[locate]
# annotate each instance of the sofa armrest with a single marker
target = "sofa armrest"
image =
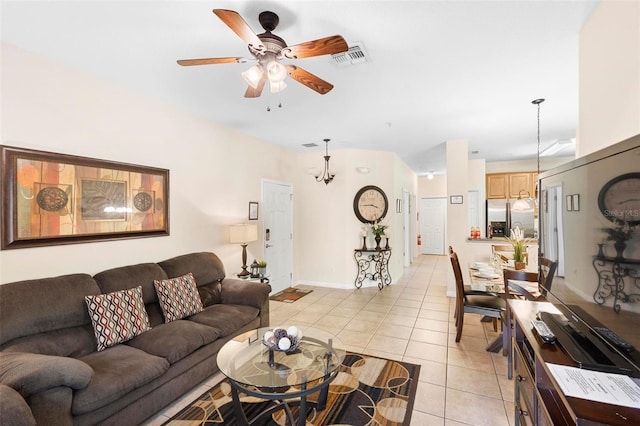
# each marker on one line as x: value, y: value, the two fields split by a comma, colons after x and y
x: 240, y: 292
x: 30, y: 373
x: 14, y: 410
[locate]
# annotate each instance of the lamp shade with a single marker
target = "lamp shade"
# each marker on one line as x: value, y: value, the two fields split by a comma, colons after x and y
x: 244, y: 233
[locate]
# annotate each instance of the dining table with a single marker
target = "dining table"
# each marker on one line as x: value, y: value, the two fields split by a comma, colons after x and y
x: 488, y: 277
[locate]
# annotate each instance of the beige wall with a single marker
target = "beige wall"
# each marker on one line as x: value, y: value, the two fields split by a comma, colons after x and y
x: 214, y: 173
x: 49, y: 107
x: 609, y: 83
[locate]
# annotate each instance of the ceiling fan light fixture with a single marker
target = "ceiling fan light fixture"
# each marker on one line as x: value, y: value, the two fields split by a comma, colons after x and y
x: 276, y: 72
x: 253, y: 75
x: 277, y: 87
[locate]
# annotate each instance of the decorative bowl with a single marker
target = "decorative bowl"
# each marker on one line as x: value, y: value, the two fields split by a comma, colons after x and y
x: 282, y: 339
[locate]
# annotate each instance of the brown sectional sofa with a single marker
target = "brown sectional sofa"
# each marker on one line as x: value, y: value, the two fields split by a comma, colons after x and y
x: 48, y: 349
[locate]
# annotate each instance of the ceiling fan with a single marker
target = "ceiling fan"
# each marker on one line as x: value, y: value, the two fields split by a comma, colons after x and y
x: 268, y: 49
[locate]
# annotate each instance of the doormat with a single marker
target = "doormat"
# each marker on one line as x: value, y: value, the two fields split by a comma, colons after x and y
x: 290, y: 295
x: 367, y: 391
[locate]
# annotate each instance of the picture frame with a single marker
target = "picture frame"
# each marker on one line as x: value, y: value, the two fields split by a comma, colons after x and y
x: 569, y: 202
x: 455, y: 199
x: 52, y: 199
x: 253, y: 210
x: 575, y: 202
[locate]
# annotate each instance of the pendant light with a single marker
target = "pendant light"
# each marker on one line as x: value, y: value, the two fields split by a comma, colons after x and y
x: 326, y: 176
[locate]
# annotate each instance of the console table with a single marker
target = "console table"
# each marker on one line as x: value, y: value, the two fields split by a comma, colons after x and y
x: 618, y: 278
x: 538, y: 398
x: 376, y: 258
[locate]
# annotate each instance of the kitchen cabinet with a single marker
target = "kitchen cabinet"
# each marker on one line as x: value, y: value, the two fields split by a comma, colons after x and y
x: 510, y: 185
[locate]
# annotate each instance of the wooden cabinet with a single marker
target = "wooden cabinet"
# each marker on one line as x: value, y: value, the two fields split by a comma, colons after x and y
x: 497, y: 185
x: 538, y: 398
x: 510, y: 185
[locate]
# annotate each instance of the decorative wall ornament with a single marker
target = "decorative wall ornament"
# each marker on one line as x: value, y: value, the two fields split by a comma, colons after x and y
x: 52, y: 199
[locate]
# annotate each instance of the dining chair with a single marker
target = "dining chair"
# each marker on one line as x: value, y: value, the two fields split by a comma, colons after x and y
x: 509, y: 291
x: 475, y: 302
x: 547, y: 271
x: 504, y: 249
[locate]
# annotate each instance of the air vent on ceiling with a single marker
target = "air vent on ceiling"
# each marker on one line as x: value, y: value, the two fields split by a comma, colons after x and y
x: 309, y: 145
x: 355, y: 55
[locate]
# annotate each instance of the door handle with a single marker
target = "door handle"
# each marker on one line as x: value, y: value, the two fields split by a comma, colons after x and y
x: 268, y: 245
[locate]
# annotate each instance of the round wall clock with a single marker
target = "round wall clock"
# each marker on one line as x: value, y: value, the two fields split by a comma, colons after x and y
x: 619, y: 199
x: 370, y: 204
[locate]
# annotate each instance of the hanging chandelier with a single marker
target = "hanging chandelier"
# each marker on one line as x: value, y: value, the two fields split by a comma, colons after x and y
x: 537, y: 103
x: 326, y: 176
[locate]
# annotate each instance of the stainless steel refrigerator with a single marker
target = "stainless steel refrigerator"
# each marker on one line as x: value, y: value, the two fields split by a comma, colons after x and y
x: 502, y: 216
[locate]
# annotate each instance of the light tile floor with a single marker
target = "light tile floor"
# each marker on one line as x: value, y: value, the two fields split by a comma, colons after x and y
x: 410, y: 320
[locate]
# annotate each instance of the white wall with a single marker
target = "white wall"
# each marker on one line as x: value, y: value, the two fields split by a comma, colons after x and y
x: 214, y: 173
x: 530, y: 165
x: 327, y: 230
x: 609, y: 84
x: 47, y: 106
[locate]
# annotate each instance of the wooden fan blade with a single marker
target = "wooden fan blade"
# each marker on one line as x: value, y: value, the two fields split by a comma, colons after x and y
x: 321, y: 46
x: 240, y: 27
x: 311, y: 81
x: 255, y: 93
x: 207, y: 61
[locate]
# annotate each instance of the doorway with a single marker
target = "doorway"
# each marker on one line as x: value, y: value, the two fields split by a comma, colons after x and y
x: 277, y: 202
x: 432, y: 225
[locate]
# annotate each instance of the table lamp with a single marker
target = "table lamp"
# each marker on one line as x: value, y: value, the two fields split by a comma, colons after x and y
x: 243, y: 234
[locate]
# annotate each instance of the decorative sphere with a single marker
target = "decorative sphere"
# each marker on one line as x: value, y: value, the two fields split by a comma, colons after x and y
x: 267, y: 335
x: 284, y: 344
x: 292, y: 331
x: 272, y: 341
x: 280, y: 332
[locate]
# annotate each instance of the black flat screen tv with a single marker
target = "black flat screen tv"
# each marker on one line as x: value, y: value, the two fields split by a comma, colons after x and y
x: 589, y: 221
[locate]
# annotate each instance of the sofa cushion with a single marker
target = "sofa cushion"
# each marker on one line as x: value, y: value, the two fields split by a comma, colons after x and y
x: 117, y: 317
x: 125, y: 277
x: 178, y: 297
x: 117, y: 371
x: 206, y: 267
x: 73, y: 342
x: 175, y: 340
x: 33, y: 373
x: 14, y: 410
x: 41, y: 305
x: 227, y: 319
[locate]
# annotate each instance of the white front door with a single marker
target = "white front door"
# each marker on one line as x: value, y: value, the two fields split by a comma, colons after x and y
x: 432, y: 225
x: 277, y: 233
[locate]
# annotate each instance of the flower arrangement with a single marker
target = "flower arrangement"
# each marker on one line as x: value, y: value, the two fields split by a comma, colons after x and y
x: 519, y: 244
x: 378, y: 229
x: 621, y: 231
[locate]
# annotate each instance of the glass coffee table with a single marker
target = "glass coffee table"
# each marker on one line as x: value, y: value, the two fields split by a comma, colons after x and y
x: 286, y: 378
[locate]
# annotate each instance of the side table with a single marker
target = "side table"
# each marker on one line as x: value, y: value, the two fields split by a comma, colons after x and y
x: 376, y: 258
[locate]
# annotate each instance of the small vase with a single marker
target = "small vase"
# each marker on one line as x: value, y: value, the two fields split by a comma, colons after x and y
x: 620, y: 246
x: 600, y: 251
x: 364, y: 243
x: 378, y: 238
x: 386, y: 247
x: 519, y: 265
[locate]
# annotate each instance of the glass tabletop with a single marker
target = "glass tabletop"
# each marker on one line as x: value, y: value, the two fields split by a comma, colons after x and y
x: 246, y: 360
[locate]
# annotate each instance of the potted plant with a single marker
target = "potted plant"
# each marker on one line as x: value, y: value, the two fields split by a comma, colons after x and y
x: 519, y: 244
x: 620, y: 234
x: 262, y: 266
x: 377, y: 229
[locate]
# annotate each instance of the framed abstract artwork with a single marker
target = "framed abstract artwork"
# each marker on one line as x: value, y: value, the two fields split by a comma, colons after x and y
x: 50, y: 199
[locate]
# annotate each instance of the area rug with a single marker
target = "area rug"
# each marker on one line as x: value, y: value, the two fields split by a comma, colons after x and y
x: 290, y: 295
x: 367, y: 391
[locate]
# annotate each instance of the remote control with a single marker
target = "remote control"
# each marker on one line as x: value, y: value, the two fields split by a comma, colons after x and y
x: 614, y: 339
x: 544, y: 332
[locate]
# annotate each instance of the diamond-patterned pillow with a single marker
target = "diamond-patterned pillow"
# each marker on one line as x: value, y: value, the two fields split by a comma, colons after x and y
x: 117, y: 317
x: 178, y: 297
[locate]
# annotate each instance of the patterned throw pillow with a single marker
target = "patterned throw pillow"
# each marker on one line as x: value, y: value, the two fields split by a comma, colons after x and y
x: 117, y: 317
x: 178, y: 297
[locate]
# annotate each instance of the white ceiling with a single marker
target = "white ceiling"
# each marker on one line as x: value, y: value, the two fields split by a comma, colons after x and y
x: 437, y: 70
